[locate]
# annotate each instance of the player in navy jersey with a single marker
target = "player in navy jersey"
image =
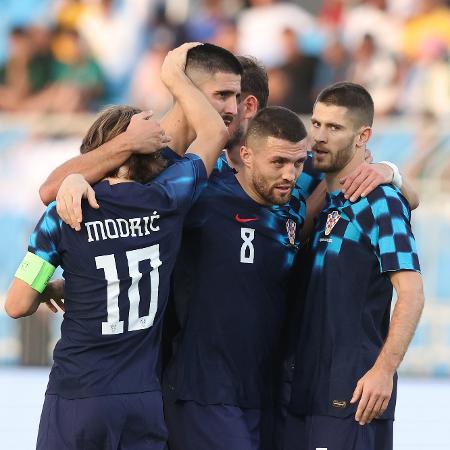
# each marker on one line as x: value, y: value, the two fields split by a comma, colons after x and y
x: 344, y: 386
x: 239, y: 243
x: 104, y: 388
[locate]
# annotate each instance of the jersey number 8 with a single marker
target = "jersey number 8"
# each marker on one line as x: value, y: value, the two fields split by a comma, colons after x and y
x: 108, y: 263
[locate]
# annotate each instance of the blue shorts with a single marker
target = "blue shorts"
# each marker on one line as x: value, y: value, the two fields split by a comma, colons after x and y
x: 332, y: 433
x: 110, y: 422
x: 213, y: 427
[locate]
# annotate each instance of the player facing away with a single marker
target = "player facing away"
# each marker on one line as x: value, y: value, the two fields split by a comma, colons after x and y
x: 238, y: 246
x: 104, y: 388
x: 348, y: 350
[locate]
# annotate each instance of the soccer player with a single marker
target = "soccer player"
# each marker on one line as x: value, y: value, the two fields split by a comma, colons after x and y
x: 344, y: 385
x: 104, y: 388
x: 239, y: 243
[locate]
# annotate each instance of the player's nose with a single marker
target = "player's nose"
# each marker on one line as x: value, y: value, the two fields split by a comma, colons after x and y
x: 231, y: 106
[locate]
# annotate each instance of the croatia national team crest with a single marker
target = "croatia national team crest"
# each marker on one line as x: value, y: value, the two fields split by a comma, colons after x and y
x: 291, y: 227
x: 332, y: 220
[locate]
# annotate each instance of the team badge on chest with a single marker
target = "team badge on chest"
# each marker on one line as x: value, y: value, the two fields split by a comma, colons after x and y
x: 291, y: 227
x: 332, y: 220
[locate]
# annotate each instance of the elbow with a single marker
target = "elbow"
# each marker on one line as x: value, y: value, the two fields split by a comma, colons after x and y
x: 13, y: 310
x: 415, y: 203
x: 46, y: 193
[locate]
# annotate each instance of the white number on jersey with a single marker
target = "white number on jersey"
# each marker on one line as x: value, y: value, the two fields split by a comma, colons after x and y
x: 247, y: 249
x: 108, y: 263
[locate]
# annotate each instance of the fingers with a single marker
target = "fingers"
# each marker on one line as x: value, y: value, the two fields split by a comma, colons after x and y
x: 143, y: 115
x: 165, y: 139
x: 369, y: 411
x: 362, y: 407
x: 60, y: 304
x: 92, y: 200
x: 50, y: 306
x: 357, y: 392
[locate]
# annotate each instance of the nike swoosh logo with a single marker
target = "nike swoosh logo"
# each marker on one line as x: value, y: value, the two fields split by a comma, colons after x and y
x: 242, y: 220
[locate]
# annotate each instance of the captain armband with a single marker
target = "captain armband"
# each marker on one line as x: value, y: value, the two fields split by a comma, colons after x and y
x: 35, y: 271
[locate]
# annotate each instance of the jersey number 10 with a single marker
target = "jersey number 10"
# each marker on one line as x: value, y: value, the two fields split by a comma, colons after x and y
x: 113, y: 324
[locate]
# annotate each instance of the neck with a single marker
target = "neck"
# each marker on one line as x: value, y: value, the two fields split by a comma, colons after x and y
x: 233, y: 157
x: 333, y: 178
x: 176, y: 125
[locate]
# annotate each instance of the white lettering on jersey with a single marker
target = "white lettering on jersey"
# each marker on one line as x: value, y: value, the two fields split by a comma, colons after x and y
x: 121, y: 228
x: 247, y: 249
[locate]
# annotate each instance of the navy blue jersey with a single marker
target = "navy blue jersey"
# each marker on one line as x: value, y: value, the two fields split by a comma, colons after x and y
x: 310, y: 177
x: 348, y: 301
x: 117, y: 271
x: 230, y: 286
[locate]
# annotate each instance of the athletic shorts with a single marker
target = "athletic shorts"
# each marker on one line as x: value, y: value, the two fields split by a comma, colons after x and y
x: 110, y: 422
x: 193, y: 426
x: 332, y: 433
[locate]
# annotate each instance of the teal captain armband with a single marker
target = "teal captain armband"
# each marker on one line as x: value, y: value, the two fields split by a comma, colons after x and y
x: 35, y: 271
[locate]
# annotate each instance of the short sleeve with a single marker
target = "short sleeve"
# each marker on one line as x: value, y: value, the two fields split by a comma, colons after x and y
x: 46, y: 236
x: 392, y: 237
x: 310, y: 178
x: 184, y: 180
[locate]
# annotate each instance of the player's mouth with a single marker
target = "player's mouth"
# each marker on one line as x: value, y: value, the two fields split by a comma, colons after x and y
x: 227, y: 120
x: 284, y: 189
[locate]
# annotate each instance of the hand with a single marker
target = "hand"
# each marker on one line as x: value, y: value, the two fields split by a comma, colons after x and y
x: 175, y: 63
x: 68, y: 200
x: 54, y: 291
x: 368, y: 156
x: 144, y: 134
x: 364, y: 179
x: 373, y: 391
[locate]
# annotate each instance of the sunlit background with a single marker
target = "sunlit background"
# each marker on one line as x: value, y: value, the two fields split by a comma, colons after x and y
x: 61, y: 61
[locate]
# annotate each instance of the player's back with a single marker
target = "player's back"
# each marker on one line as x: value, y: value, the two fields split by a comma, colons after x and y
x: 117, y: 271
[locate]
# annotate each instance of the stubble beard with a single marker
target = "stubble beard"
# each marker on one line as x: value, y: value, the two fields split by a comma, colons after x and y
x: 267, y: 193
x: 338, y: 161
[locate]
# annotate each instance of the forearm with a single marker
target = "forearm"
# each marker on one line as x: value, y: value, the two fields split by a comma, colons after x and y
x: 93, y: 165
x: 404, y: 322
x: 410, y: 193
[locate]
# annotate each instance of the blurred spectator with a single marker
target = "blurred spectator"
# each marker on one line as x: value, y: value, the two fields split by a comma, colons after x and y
x: 28, y: 69
x: 372, y: 17
x: 70, y: 12
x: 115, y: 33
x: 427, y: 89
x: 227, y: 36
x: 298, y: 73
x: 261, y: 26
x: 378, y: 72
x: 331, y: 14
x: 333, y: 65
x: 431, y: 22
x: 77, y: 78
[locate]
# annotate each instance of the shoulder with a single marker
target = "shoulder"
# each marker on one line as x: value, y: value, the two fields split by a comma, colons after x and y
x: 388, y: 200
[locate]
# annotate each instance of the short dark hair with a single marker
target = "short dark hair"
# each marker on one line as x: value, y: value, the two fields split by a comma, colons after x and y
x: 278, y: 122
x: 212, y: 59
x: 254, y: 80
x: 351, y: 96
x: 111, y: 122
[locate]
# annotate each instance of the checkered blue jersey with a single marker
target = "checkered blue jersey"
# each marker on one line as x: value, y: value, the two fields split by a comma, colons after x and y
x: 117, y: 273
x: 347, y: 307
x: 231, y: 279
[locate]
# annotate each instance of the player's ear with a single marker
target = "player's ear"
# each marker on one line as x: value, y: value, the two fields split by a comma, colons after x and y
x: 250, y: 106
x: 364, y: 136
x: 246, y: 155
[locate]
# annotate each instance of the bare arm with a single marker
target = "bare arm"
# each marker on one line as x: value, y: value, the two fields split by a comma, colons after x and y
x: 141, y: 136
x: 22, y: 300
x: 208, y: 125
x: 374, y: 389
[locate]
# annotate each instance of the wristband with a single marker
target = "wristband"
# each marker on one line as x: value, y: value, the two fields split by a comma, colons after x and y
x: 35, y: 271
x: 397, y: 180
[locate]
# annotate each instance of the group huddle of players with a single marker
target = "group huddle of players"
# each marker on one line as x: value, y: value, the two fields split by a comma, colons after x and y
x: 222, y: 300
